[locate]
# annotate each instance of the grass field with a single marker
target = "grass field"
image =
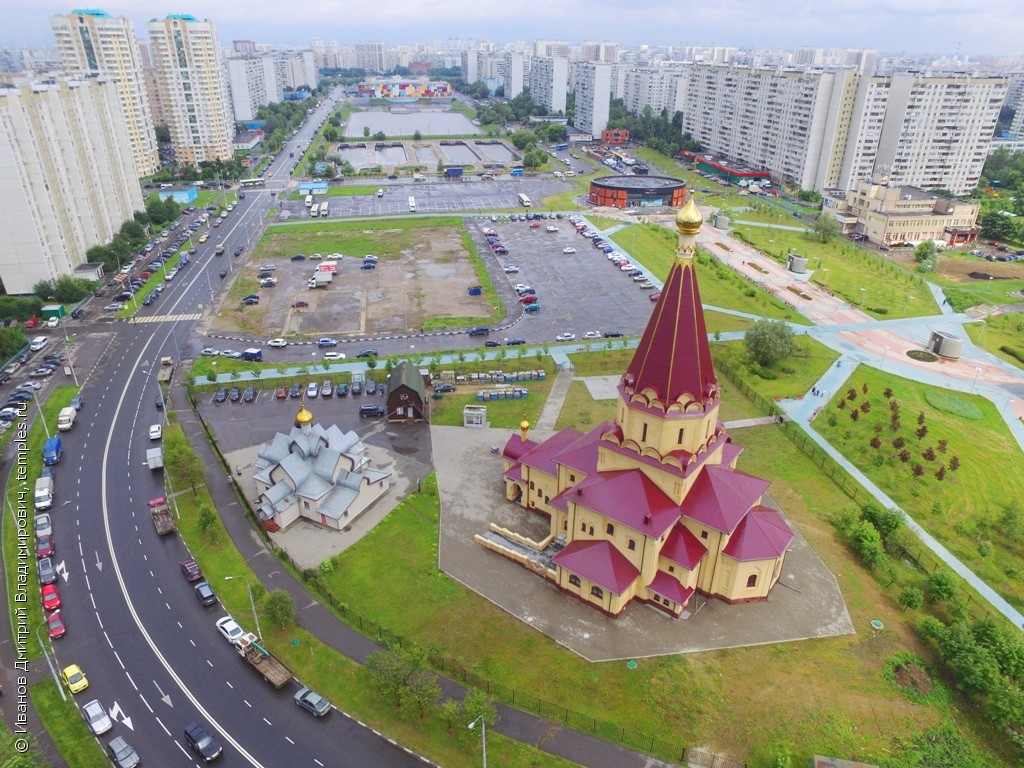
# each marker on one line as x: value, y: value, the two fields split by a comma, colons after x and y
x: 963, y: 510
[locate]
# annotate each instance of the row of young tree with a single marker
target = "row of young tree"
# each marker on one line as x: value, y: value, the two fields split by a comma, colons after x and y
x: 133, y: 235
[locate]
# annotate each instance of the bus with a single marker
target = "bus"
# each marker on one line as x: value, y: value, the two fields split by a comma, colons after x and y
x: 323, y: 210
x: 314, y: 210
x: 524, y: 200
x: 252, y: 183
x: 558, y: 147
x: 309, y: 201
x: 412, y: 204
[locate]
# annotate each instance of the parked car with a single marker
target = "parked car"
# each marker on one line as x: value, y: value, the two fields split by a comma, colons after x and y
x: 221, y: 395
x: 371, y: 411
x: 327, y: 342
x: 312, y: 702
x: 205, y: 595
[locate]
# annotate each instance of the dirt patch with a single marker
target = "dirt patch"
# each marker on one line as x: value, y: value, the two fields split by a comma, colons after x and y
x: 963, y: 270
x: 914, y: 678
x: 421, y: 273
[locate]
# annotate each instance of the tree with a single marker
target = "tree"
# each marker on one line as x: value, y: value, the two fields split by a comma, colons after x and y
x: 280, y: 608
x: 940, y: 587
x: 523, y: 139
x: 926, y: 255
x: 769, y: 341
x: 911, y: 597
x: 403, y: 675
x: 887, y: 521
x: 825, y: 227
x: 867, y: 543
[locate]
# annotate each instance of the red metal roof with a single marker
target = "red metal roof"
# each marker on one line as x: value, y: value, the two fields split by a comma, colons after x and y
x: 629, y: 497
x: 673, y: 358
x: 516, y: 447
x: 543, y: 456
x: 600, y: 563
x: 720, y: 497
x: 666, y: 585
x: 683, y: 547
x: 761, y: 535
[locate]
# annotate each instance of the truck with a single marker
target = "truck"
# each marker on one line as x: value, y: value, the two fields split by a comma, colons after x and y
x: 452, y: 173
x: 418, y: 177
x: 155, y: 458
x: 219, y: 250
x: 66, y: 419
x: 166, y: 370
x: 163, y: 520
x: 274, y: 671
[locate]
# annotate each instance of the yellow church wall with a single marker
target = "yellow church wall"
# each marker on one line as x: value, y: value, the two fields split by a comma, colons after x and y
x: 539, y: 489
x: 669, y: 432
x: 669, y: 479
x: 584, y: 589
x: 684, y: 576
x: 586, y: 524
x: 733, y: 579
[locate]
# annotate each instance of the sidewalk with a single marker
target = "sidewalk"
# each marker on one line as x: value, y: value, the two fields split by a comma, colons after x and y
x: 546, y: 735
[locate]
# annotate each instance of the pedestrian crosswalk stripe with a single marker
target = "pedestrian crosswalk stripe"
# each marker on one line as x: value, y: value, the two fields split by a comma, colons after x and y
x: 167, y: 318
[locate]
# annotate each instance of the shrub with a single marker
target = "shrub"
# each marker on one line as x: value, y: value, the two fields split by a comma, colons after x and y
x: 867, y: 543
x: 939, y: 587
x: 911, y: 597
x: 949, y: 403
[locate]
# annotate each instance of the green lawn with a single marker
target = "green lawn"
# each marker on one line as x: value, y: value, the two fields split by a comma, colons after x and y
x: 963, y: 510
x: 999, y: 334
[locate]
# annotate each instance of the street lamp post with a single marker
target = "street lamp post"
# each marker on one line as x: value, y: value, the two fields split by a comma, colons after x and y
x: 863, y: 297
x: 825, y: 284
x: 906, y: 303
x: 42, y: 418
x: 882, y: 361
x: 483, y: 734
x: 771, y: 248
x: 977, y: 370
x: 252, y: 602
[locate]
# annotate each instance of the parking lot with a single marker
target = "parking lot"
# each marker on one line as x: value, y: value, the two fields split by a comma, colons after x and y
x: 435, y: 197
x: 577, y: 292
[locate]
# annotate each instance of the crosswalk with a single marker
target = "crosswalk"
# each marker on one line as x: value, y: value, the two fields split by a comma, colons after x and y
x: 167, y: 318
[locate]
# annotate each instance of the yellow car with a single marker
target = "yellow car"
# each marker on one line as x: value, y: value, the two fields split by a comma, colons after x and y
x: 74, y: 677
x: 202, y: 238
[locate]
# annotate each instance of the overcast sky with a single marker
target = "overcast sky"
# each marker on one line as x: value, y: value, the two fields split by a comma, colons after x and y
x: 977, y: 27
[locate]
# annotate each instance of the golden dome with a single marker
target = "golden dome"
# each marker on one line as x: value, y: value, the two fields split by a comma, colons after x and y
x: 524, y: 424
x: 688, y: 219
x: 304, y: 416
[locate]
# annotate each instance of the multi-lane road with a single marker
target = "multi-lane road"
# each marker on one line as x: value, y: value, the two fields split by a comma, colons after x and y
x: 150, y: 650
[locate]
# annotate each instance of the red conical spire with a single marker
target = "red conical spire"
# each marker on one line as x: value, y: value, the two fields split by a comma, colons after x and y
x: 672, y: 368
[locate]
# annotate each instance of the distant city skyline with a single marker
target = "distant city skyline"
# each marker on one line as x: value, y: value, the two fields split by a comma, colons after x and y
x: 913, y: 27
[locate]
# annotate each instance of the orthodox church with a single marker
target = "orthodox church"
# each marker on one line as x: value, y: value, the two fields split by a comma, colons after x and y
x: 650, y: 507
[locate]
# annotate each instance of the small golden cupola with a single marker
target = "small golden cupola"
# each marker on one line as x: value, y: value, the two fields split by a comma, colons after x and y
x: 304, y: 417
x: 689, y: 218
x: 524, y: 429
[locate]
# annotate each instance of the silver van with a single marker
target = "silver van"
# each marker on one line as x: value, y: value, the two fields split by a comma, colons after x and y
x: 44, y: 493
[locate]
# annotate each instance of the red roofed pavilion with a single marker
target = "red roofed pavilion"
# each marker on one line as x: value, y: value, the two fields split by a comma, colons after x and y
x: 651, y: 507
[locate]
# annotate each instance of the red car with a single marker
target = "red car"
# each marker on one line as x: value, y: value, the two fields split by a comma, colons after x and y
x: 44, y: 546
x: 55, y: 625
x: 32, y: 322
x: 282, y: 393
x: 50, y: 597
x: 654, y: 296
x: 529, y: 299
x: 145, y: 275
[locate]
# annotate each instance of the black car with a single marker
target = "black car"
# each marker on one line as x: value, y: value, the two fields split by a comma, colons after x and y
x: 78, y: 314
x: 4, y: 377
x: 368, y: 353
x: 514, y: 342
x: 357, y: 388
x: 204, y: 592
x: 492, y: 343
x: 613, y: 334
x: 77, y: 402
x: 190, y: 569
x: 295, y: 391
x: 159, y: 402
x: 298, y: 257
x: 250, y: 301
x: 371, y: 411
x: 342, y: 390
x: 200, y: 740
x: 446, y: 386
x: 371, y: 387
x: 235, y: 394
x: 249, y: 395
x: 221, y: 396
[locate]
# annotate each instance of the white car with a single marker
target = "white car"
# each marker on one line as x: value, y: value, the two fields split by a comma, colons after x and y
x: 277, y: 343
x: 53, y: 322
x: 627, y: 267
x: 521, y: 287
x: 156, y: 432
x: 210, y: 352
x: 229, y: 628
x: 97, y: 718
x: 568, y: 249
x: 233, y: 354
x: 313, y: 389
x: 511, y: 269
x: 565, y: 337
x: 592, y: 335
x: 268, y: 268
x: 334, y: 355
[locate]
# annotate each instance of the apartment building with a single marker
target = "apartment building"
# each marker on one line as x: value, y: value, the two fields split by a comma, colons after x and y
x: 593, y: 97
x: 251, y: 84
x: 641, y: 87
x: 923, y: 131
x: 829, y: 129
x: 95, y: 43
x: 470, y: 69
x: 513, y: 72
x: 68, y: 179
x: 371, y: 57
x: 193, y: 87
x: 549, y: 82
